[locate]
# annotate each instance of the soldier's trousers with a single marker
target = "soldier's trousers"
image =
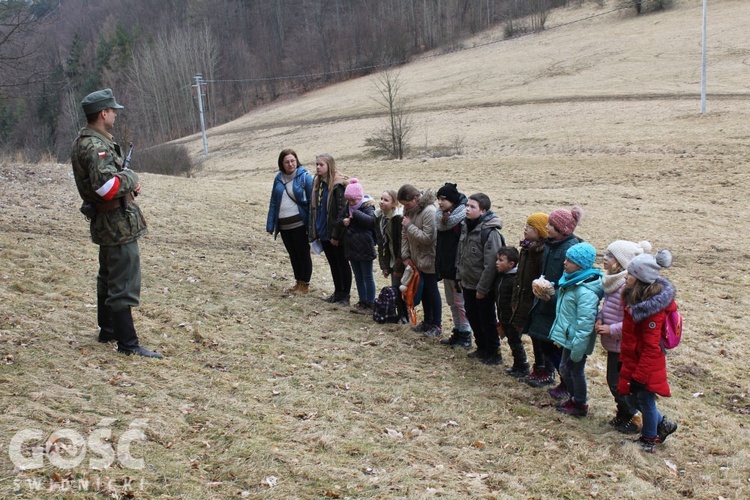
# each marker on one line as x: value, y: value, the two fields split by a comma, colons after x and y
x: 119, y: 277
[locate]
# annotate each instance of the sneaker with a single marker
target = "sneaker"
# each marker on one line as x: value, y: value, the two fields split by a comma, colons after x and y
x: 543, y: 379
x: 464, y: 341
x: 332, y: 299
x: 665, y: 428
x: 559, y: 392
x: 630, y: 426
x: 421, y: 327
x: 403, y: 320
x: 494, y: 359
x: 574, y: 409
x: 648, y: 445
x: 434, y: 332
x: 362, y: 308
x: 343, y: 301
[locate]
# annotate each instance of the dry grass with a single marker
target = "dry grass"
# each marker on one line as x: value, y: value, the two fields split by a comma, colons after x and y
x: 258, y: 385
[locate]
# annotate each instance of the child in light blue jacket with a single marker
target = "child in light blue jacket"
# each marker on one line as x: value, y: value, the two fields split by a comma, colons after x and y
x: 578, y: 296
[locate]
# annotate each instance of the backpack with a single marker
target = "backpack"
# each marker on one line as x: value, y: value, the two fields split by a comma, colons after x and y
x: 486, y: 235
x: 671, y: 332
x: 384, y: 309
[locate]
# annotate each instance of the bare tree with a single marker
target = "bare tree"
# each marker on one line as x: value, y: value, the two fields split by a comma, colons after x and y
x: 17, y: 20
x: 393, y: 138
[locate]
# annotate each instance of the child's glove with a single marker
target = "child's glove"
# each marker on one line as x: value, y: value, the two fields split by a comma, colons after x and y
x: 636, y: 386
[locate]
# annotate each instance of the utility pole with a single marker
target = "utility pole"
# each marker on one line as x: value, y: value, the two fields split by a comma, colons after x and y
x: 199, y: 91
x: 703, y: 61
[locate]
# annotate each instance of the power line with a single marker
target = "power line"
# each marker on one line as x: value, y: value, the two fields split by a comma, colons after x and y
x: 414, y: 59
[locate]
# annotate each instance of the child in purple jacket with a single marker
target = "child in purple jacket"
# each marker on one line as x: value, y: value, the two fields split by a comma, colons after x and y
x: 609, y: 327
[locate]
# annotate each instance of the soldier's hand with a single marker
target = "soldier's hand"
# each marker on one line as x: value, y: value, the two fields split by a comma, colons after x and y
x: 137, y: 190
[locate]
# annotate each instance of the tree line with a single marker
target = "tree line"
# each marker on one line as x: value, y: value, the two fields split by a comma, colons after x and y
x: 54, y: 52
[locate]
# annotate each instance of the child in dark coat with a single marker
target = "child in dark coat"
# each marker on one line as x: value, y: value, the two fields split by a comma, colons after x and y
x: 358, y: 219
x: 507, y: 266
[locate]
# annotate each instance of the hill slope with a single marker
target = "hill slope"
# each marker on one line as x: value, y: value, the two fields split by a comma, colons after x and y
x: 268, y: 396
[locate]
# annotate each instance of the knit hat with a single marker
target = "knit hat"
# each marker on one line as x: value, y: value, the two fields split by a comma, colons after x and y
x: 449, y: 192
x: 582, y: 254
x: 624, y: 251
x: 353, y: 190
x: 646, y: 267
x: 539, y: 222
x: 565, y: 221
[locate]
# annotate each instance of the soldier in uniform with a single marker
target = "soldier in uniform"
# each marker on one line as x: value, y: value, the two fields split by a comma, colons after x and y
x: 107, y: 188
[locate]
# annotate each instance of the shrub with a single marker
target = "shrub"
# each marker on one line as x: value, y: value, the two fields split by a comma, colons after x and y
x: 165, y: 159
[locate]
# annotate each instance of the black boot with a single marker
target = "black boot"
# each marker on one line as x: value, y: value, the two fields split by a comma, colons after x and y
x: 127, y: 340
x: 452, y: 340
x: 520, y: 366
x: 104, y: 319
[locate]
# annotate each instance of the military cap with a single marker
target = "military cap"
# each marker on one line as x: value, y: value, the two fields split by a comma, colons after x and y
x: 98, y: 101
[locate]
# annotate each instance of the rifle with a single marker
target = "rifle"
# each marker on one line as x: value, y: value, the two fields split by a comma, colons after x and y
x: 126, y: 165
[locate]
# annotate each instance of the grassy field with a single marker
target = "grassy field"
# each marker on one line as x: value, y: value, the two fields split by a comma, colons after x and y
x: 263, y: 395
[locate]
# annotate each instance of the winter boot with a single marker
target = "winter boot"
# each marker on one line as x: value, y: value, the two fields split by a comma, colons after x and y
x: 570, y: 407
x: 665, y: 428
x: 520, y: 366
x: 104, y: 319
x: 559, y: 392
x: 452, y: 340
x: 464, y: 341
x: 518, y: 371
x: 127, y: 340
x: 495, y: 358
x: 630, y: 425
x: 294, y: 288
x: 302, y: 288
x: 535, y: 373
x: 547, y: 377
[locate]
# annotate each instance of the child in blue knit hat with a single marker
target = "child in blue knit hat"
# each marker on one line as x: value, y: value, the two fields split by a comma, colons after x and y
x: 578, y: 295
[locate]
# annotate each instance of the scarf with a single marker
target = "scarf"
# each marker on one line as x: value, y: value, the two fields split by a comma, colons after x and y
x: 354, y: 208
x: 449, y: 220
x: 570, y: 279
x: 611, y: 282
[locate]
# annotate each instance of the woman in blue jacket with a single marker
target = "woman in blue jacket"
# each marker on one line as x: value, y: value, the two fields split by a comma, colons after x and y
x: 289, y: 214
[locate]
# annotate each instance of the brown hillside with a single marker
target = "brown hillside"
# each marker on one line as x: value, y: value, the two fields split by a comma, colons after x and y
x: 262, y: 395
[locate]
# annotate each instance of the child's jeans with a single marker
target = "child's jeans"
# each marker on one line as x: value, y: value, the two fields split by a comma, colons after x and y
x: 574, y: 375
x: 455, y: 301
x: 651, y: 416
x: 364, y: 279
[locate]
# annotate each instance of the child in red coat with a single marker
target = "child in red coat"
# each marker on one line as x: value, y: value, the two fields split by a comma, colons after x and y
x: 648, y: 298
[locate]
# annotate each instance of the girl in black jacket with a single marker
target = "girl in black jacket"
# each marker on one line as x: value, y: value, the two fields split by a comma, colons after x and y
x: 358, y: 220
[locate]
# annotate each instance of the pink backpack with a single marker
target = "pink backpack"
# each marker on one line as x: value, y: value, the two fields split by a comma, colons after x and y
x: 671, y: 332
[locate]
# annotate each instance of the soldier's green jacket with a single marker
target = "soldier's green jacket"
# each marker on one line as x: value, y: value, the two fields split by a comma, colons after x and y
x: 100, y: 178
